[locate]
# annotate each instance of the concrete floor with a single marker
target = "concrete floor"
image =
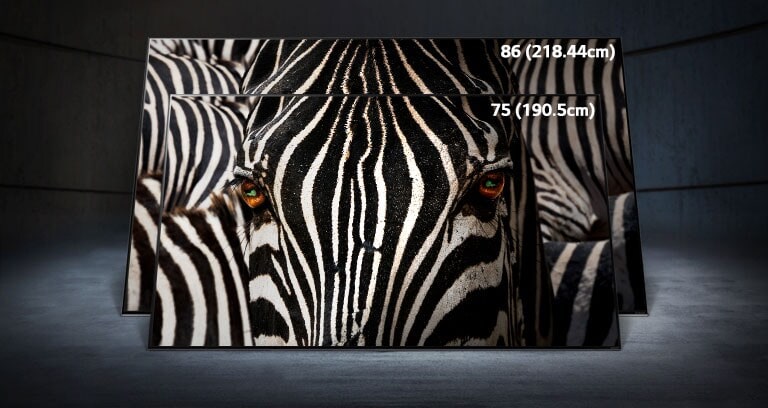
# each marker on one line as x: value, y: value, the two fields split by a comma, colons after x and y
x: 64, y: 342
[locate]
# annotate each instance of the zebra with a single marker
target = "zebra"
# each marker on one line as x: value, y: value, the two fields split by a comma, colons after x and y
x: 176, y: 67
x: 183, y: 66
x: 627, y: 255
x: 192, y: 176
x: 583, y: 316
x: 569, y: 170
x: 569, y: 175
x: 573, y: 210
x: 585, y: 76
x: 200, y: 257
x: 380, y: 67
x: 376, y: 66
x: 342, y: 252
x: 233, y: 52
x: 606, y: 78
x: 305, y: 66
x: 209, y: 128
x: 144, y: 232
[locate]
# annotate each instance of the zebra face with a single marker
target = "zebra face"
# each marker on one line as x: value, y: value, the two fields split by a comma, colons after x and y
x: 379, y: 221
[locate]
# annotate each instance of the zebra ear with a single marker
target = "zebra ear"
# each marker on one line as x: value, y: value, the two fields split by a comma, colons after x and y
x: 251, y: 195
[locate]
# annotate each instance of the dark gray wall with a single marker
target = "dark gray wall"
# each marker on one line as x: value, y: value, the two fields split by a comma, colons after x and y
x: 71, y: 77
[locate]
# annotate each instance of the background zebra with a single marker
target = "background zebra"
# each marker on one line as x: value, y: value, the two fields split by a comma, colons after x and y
x: 583, y: 317
x: 185, y: 67
x: 630, y: 285
x: 202, y: 276
x: 176, y: 66
x: 344, y: 253
x: 567, y: 154
x: 597, y: 76
x: 202, y: 137
x: 237, y: 54
x: 569, y: 174
x: 605, y: 78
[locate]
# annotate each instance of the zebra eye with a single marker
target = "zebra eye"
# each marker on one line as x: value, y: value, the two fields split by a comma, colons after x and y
x: 251, y: 195
x: 491, y: 184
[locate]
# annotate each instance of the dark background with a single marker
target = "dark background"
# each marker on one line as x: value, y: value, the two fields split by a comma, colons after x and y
x: 71, y: 81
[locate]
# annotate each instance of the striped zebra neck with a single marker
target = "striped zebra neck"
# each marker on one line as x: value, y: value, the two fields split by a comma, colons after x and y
x: 202, y: 276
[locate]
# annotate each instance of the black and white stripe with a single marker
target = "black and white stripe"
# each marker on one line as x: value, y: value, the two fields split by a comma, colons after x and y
x: 168, y: 74
x: 627, y: 256
x: 567, y: 155
x: 235, y: 52
x: 202, y: 136
x: 582, y: 275
x: 355, y: 251
x: 569, y: 173
x: 140, y: 278
x: 585, y: 76
x: 202, y: 277
x: 574, y: 215
x: 198, y: 163
x: 365, y: 75
x: 353, y: 66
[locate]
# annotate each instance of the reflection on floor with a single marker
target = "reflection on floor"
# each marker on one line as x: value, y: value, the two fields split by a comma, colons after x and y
x: 64, y: 342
